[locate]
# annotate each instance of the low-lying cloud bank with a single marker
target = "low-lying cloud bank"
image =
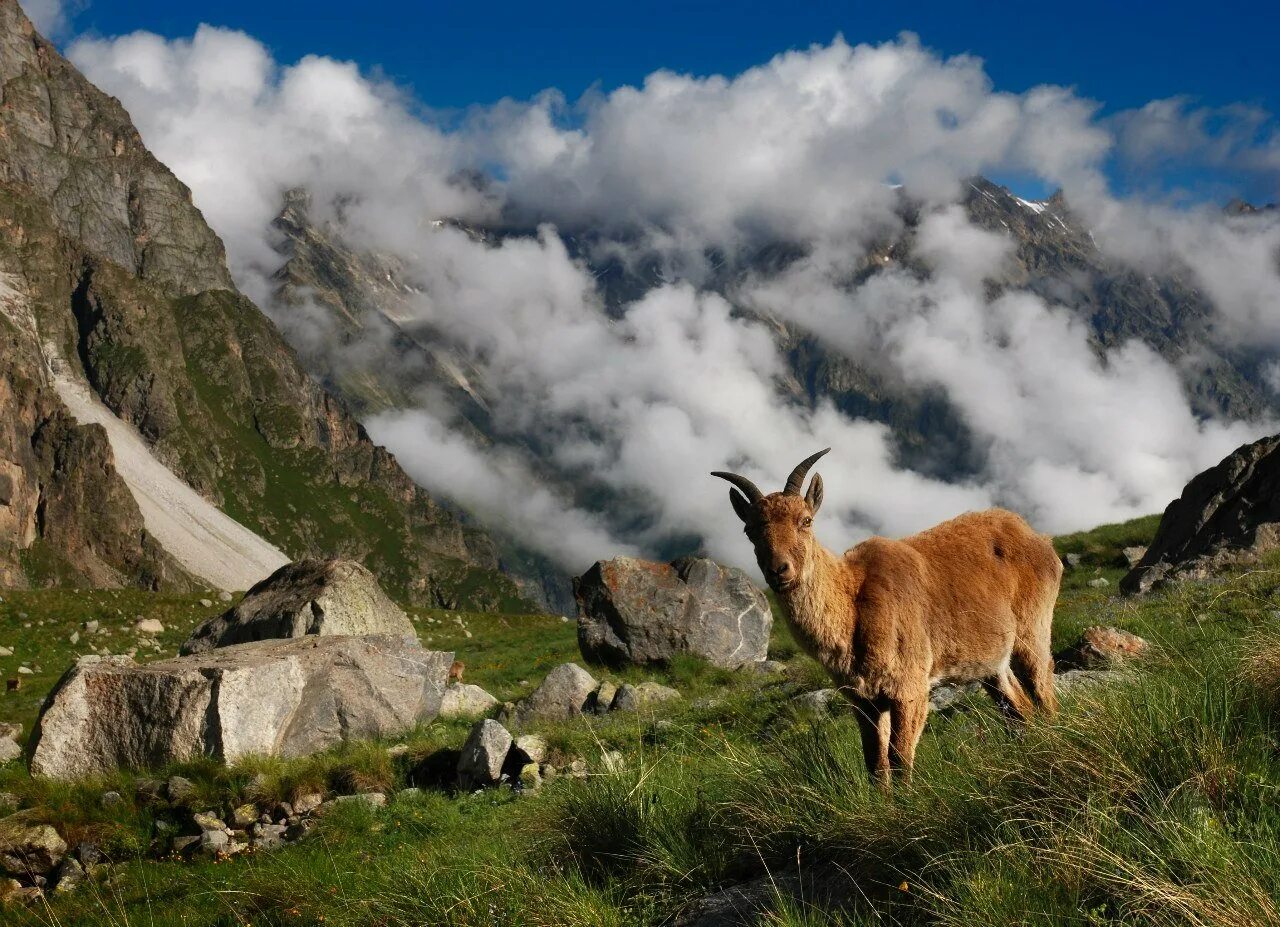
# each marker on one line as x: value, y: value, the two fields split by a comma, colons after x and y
x: 808, y: 148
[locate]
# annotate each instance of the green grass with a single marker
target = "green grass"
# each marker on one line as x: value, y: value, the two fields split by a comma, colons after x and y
x: 1151, y: 801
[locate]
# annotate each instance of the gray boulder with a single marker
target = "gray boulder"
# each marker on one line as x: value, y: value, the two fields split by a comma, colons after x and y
x: 279, y: 698
x: 1226, y: 516
x: 646, y: 695
x: 636, y: 611
x: 462, y: 700
x: 483, y: 754
x: 566, y: 692
x: 306, y: 597
x: 29, y: 849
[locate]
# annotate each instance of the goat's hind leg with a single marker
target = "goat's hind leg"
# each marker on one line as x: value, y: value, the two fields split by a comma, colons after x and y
x: 1034, y: 669
x: 873, y: 724
x: 908, y: 716
x: 1007, y: 692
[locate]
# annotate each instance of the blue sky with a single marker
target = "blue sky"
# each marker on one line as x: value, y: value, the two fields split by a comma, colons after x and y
x: 456, y: 53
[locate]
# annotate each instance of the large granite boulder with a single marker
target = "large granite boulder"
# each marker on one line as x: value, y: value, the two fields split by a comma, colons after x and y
x: 565, y: 692
x: 301, y: 598
x: 636, y: 611
x: 283, y: 697
x: 1227, y: 515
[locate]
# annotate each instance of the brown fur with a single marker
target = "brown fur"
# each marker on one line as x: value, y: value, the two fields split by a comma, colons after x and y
x: 456, y: 670
x: 969, y: 599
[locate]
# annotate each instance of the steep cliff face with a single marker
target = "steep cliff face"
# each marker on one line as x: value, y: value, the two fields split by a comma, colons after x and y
x: 110, y: 270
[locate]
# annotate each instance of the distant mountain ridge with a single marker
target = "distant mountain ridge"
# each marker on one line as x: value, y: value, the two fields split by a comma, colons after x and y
x: 108, y: 268
x: 1054, y: 256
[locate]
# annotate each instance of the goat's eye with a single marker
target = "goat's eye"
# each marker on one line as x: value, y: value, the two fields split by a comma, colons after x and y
x: 806, y: 522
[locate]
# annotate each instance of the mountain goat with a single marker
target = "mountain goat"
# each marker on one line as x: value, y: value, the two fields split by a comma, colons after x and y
x: 969, y: 599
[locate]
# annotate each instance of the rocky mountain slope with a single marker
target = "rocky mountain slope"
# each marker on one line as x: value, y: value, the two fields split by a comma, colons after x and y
x: 109, y: 269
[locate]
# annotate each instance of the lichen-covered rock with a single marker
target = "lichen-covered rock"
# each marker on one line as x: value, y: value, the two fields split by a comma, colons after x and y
x: 463, y: 700
x: 301, y: 598
x: 1227, y: 515
x: 636, y: 611
x: 27, y: 848
x: 642, y: 696
x: 280, y: 697
x: 566, y: 692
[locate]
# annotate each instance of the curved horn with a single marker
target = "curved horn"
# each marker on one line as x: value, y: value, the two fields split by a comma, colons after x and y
x: 748, y: 488
x: 795, y: 482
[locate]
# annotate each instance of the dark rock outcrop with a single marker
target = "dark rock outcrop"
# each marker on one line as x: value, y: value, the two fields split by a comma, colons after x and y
x: 1226, y: 515
x: 319, y: 597
x: 635, y: 611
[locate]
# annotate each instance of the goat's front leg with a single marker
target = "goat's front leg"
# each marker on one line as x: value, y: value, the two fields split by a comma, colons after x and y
x: 873, y: 724
x: 907, y: 717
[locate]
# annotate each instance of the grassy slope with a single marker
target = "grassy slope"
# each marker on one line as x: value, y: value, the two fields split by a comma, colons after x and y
x: 1149, y: 802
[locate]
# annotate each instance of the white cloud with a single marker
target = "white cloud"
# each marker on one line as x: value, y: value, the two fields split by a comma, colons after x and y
x: 50, y: 17
x: 644, y: 402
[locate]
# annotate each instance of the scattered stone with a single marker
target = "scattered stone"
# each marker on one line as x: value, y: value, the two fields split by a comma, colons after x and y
x: 110, y: 799
x: 636, y: 611
x: 70, y: 875
x: 205, y: 603
x: 149, y: 626
x: 946, y: 696
x: 463, y: 700
x: 207, y: 820
x: 547, y: 771
x: 215, y: 843
x: 368, y: 799
x: 815, y: 703
x: 9, y: 750
x: 533, y: 749
x: 307, y: 597
x: 483, y: 755
x: 1133, y: 556
x: 642, y: 696
x: 278, y: 697
x: 244, y: 816
x: 602, y: 699
x: 1072, y: 561
x: 564, y: 693
x: 6, y: 651
x: 305, y: 804
x: 1098, y: 582
x: 74, y: 638
x: 613, y: 761
x: 8, y: 889
x: 1102, y: 648
x: 530, y: 777
x: 183, y: 844
x: 224, y: 596
x: 179, y: 789
x: 577, y: 768
x: 268, y: 836
x: 28, y: 849
x: 1085, y: 679
x: 765, y: 668
x: 299, y: 829
x: 25, y: 670
x: 91, y: 626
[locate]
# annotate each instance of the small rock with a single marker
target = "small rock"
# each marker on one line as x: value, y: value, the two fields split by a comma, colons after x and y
x: 533, y: 749
x: 764, y: 668
x: 205, y: 603
x: 299, y: 829
x: 281, y: 811
x: 1072, y: 561
x: 267, y: 836
x: 483, y: 754
x: 74, y: 638
x: 577, y: 768
x: 1098, y: 582
x: 244, y: 816
x: 91, y: 626
x: 10, y: 729
x: 111, y: 798
x: 25, y: 670
x: 1102, y: 647
x: 30, y: 848
x: 179, y: 789
x: 224, y: 596
x: 602, y: 700
x: 207, y: 820
x: 370, y: 799
x: 398, y: 750
x: 184, y: 844
x: 565, y: 693
x: 1133, y: 555
x: 9, y: 750
x: 215, y: 842
x: 149, y: 791
x: 815, y: 703
x: 6, y: 651
x: 305, y: 804
x: 70, y: 875
x: 463, y: 700
x: 148, y: 626
x: 1085, y: 679
x: 8, y: 888
x: 644, y: 695
x: 613, y: 760
x: 944, y: 697
x: 548, y: 772
x: 530, y: 777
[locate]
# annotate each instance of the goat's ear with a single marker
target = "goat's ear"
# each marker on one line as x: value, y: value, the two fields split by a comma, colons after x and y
x: 740, y: 504
x: 814, y: 495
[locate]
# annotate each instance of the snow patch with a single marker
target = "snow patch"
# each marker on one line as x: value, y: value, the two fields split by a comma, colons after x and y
x: 209, y: 543
x: 1036, y: 208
